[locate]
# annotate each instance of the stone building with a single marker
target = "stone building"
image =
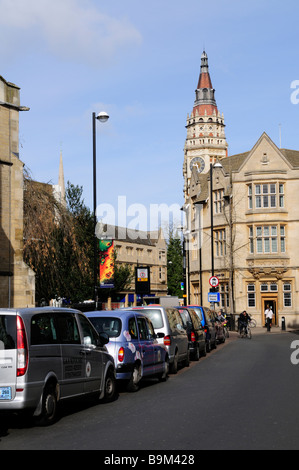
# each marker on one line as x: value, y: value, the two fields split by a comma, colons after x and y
x: 206, y: 141
x: 17, y: 280
x: 244, y: 230
x: 139, y: 248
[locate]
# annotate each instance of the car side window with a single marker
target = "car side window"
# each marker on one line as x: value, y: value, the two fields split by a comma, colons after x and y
x: 89, y: 334
x: 133, y: 328
x: 143, y: 335
x: 178, y: 319
x: 212, y: 316
x: 195, y: 320
x: 173, y: 318
x: 43, y: 329
x: 8, y: 332
x: 151, y: 331
x: 199, y: 314
x: 185, y: 317
x: 67, y: 328
x: 208, y: 315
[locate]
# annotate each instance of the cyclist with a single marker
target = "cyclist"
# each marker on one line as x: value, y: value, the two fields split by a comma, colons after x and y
x: 219, y: 323
x: 243, y: 321
x: 220, y: 317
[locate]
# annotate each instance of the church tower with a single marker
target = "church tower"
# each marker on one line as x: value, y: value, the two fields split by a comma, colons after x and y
x: 59, y: 189
x: 205, y: 140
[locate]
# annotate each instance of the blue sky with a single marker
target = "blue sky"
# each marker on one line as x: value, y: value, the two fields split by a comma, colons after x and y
x: 140, y: 62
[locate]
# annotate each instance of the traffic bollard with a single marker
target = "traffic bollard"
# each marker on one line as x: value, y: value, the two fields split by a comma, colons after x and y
x: 283, y: 323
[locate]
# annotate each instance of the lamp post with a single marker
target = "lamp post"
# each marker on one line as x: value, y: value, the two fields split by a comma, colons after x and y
x: 197, y: 212
x: 102, y: 117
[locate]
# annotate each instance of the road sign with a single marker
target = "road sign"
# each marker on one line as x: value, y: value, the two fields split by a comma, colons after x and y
x: 142, y: 280
x: 214, y: 297
x: 214, y: 281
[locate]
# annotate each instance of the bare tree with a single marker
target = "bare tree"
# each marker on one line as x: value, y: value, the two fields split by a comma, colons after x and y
x: 52, y: 247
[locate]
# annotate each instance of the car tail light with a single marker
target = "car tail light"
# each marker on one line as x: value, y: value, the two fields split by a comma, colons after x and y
x: 121, y: 354
x: 167, y: 340
x: 22, y: 349
x: 192, y: 336
x: 205, y: 330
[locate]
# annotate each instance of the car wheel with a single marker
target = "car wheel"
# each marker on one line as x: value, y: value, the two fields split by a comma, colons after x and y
x: 110, y: 386
x: 164, y: 376
x: 196, y: 354
x: 187, y: 360
x: 204, y: 351
x: 174, y: 365
x: 133, y: 385
x: 208, y: 346
x: 49, y: 405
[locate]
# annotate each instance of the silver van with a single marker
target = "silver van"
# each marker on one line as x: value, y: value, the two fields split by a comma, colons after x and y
x: 48, y: 355
x: 168, y: 326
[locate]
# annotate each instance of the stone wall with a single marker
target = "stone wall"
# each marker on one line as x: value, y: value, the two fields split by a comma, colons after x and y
x: 17, y: 283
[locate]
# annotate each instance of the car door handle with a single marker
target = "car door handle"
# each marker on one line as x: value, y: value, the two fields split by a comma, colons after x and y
x: 85, y: 352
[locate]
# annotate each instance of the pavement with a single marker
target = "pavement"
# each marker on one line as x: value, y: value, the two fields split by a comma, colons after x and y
x: 274, y: 330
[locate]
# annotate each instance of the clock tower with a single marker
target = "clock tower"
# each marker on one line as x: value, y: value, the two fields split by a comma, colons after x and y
x: 205, y: 140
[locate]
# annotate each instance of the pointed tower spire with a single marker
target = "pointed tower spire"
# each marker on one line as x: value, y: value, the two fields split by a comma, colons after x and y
x: 61, y: 179
x: 59, y: 189
x: 205, y: 93
x: 206, y: 141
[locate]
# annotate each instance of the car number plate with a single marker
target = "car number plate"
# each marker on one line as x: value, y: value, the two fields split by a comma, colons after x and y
x: 5, y: 393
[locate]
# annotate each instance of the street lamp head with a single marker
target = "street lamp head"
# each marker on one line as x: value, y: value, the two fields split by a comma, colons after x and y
x: 217, y: 165
x: 102, y: 116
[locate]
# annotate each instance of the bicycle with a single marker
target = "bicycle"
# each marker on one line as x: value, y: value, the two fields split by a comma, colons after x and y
x: 253, y: 323
x: 245, y: 331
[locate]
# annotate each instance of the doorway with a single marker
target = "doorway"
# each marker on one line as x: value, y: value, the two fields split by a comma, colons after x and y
x: 272, y: 303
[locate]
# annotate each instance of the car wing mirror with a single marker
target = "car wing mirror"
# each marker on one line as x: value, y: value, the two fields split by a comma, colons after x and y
x: 103, y: 339
x: 160, y: 335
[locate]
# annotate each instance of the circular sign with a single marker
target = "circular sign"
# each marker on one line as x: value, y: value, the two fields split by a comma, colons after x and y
x: 88, y: 369
x: 214, y: 281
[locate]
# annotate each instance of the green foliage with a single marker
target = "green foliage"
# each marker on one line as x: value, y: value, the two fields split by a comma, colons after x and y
x: 58, y: 244
x: 174, y: 264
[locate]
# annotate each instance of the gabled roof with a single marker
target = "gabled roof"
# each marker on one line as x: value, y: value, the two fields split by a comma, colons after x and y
x: 199, y: 184
x: 130, y: 235
x: 235, y: 162
x: 292, y: 156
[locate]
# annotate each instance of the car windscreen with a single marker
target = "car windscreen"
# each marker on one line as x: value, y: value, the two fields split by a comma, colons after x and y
x: 8, y: 332
x: 109, y: 325
x: 155, y: 316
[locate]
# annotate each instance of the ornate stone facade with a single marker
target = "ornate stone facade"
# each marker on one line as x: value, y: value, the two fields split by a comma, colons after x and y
x: 250, y: 234
x: 206, y: 141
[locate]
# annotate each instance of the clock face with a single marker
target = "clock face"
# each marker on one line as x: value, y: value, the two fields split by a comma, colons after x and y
x: 199, y: 163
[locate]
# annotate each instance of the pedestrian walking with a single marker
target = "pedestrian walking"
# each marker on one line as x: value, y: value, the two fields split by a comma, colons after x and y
x: 268, y: 317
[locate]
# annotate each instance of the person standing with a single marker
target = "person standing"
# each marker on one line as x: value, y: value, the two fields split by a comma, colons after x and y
x: 268, y: 317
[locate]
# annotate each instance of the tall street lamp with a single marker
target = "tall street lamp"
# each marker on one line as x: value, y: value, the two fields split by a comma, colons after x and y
x: 102, y: 117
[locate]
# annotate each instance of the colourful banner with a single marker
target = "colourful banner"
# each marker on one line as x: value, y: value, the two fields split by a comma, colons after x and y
x: 106, y: 248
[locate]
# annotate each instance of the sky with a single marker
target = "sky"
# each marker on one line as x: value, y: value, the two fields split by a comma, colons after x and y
x: 140, y: 63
